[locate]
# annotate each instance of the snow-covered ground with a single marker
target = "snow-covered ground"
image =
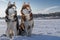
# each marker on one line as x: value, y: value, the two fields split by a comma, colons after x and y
x: 43, y: 30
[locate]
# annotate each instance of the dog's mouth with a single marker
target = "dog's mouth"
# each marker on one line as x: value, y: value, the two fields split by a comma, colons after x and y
x: 26, y: 11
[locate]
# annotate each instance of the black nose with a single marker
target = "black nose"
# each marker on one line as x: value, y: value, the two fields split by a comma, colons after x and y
x: 29, y: 11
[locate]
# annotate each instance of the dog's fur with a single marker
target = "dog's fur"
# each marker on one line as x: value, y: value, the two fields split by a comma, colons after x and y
x: 11, y: 20
x: 27, y: 22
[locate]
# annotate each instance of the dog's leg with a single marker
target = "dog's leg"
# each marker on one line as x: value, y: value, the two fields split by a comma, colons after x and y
x: 11, y: 33
x: 26, y: 27
x: 14, y: 28
x: 30, y: 30
x: 11, y: 30
x: 8, y: 29
x: 31, y: 24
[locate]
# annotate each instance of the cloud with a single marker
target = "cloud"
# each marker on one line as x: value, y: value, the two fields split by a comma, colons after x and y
x: 48, y: 9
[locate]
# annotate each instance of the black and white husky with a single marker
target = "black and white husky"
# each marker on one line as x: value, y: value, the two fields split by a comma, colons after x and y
x: 11, y: 20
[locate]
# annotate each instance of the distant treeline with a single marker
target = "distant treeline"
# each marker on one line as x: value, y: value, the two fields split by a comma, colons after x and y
x: 56, y: 14
x: 44, y: 15
x: 47, y: 15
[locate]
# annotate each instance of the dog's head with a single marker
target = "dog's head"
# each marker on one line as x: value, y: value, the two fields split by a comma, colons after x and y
x: 11, y: 10
x: 10, y: 5
x: 26, y: 11
x: 26, y: 8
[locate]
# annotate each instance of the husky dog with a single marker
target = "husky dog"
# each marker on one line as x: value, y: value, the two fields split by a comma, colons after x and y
x: 11, y: 20
x: 27, y: 22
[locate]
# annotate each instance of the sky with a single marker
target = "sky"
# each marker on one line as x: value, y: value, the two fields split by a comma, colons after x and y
x: 37, y: 6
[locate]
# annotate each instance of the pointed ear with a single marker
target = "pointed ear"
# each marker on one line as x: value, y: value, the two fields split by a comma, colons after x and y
x: 28, y: 2
x: 9, y: 3
x: 24, y: 3
x: 14, y: 3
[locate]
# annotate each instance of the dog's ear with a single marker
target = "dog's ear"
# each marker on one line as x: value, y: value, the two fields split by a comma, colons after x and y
x: 28, y: 3
x: 9, y: 3
x: 14, y: 3
x: 24, y: 3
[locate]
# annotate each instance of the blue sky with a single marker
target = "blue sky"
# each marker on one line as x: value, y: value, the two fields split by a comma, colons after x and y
x: 37, y: 6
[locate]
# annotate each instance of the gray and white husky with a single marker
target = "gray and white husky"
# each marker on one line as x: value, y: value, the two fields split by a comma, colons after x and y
x: 11, y: 20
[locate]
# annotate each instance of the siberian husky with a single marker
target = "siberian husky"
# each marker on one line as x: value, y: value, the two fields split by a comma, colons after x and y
x: 11, y: 20
x: 27, y: 22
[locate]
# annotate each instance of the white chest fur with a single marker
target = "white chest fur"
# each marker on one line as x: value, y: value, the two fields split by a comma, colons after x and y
x: 27, y: 14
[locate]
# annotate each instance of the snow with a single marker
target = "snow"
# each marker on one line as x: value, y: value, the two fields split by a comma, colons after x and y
x: 43, y: 30
x: 4, y: 38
